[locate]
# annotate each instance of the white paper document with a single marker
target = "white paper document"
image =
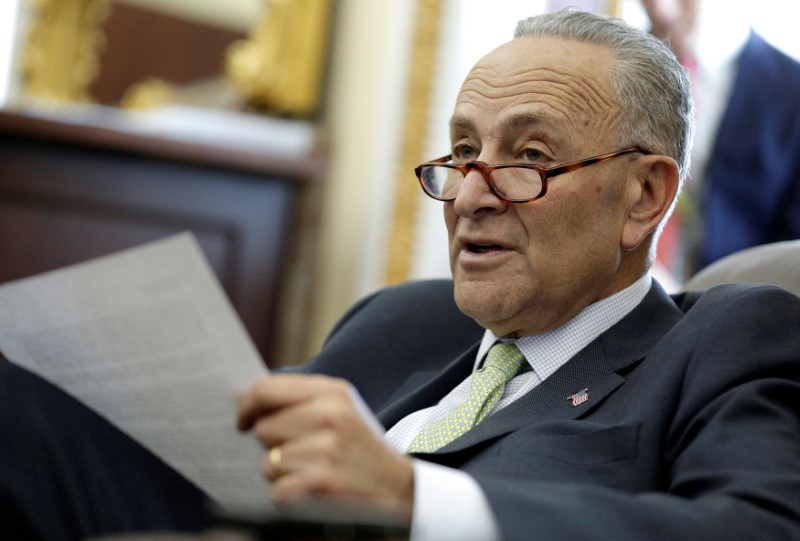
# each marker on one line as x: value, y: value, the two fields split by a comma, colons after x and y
x: 147, y: 338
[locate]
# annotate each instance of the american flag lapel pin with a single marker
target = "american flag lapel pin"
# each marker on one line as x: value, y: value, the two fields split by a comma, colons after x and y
x: 579, y: 398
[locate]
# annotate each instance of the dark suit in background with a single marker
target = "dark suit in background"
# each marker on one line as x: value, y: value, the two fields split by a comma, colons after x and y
x: 752, y: 180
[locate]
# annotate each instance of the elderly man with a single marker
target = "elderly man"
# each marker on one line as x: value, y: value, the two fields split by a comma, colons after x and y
x: 629, y: 418
x: 563, y: 394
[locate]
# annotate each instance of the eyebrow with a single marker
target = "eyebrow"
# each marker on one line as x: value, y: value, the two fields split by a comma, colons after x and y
x: 512, y: 124
x: 460, y: 122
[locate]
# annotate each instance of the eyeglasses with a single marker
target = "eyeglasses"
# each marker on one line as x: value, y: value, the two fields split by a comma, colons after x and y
x: 513, y: 182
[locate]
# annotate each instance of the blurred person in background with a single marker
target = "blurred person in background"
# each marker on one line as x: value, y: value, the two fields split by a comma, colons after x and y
x: 744, y: 186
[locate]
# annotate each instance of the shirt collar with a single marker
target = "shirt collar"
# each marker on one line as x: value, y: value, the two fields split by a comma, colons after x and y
x: 548, y: 351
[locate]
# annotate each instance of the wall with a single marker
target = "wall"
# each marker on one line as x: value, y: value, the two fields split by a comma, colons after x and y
x: 363, y: 110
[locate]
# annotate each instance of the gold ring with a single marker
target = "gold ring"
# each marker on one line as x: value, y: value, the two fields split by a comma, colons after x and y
x: 275, y: 461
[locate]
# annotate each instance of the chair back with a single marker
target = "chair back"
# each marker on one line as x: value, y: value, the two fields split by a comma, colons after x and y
x: 777, y: 263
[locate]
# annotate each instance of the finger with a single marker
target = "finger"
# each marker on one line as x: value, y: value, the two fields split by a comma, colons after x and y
x: 305, y: 483
x: 282, y: 390
x: 322, y: 479
x: 331, y: 412
x: 273, y: 463
x: 330, y: 462
x: 317, y: 450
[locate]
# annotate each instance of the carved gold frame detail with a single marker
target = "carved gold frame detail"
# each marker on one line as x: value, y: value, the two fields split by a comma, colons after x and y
x: 280, y: 67
x: 416, y: 119
x: 61, y: 56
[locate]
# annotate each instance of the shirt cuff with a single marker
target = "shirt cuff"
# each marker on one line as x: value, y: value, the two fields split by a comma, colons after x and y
x: 449, y: 505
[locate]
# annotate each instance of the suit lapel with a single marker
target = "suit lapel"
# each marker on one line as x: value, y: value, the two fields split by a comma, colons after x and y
x: 436, y: 386
x: 550, y: 400
x: 596, y: 368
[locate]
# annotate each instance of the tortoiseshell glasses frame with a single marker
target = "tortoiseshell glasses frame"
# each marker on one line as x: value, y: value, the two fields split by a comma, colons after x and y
x: 442, y: 180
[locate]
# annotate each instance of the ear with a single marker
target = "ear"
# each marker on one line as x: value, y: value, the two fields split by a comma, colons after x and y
x: 652, y: 187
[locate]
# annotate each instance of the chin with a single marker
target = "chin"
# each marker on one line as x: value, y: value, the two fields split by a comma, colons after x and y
x: 484, y: 302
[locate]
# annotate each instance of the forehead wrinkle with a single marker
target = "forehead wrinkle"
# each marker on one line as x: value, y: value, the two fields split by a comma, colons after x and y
x: 522, y: 121
x: 575, y: 91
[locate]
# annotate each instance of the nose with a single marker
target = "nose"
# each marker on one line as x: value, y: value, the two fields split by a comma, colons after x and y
x: 475, y: 196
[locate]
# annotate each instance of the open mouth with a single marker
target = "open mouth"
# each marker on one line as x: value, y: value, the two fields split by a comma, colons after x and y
x: 482, y: 248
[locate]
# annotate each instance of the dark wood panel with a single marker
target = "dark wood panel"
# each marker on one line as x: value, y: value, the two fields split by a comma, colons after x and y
x: 62, y: 203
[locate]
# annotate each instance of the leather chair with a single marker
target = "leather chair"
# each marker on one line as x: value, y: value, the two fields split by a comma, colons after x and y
x: 776, y: 263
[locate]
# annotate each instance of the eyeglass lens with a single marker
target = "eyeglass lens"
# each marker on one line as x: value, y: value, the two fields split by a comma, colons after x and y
x: 511, y: 182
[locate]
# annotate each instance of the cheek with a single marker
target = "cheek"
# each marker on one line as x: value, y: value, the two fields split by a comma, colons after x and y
x: 576, y: 227
x: 589, y: 210
x: 450, y: 218
x: 549, y: 224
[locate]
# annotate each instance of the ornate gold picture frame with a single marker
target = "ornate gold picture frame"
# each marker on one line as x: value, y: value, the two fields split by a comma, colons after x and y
x: 280, y: 66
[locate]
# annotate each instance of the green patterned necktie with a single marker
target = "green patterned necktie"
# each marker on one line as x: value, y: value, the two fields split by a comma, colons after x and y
x: 488, y: 384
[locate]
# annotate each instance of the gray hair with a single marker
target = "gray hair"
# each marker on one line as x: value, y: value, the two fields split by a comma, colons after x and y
x: 649, y: 84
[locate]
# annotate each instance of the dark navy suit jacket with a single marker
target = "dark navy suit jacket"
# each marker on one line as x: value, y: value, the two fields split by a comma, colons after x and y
x: 691, y: 430
x: 752, y: 181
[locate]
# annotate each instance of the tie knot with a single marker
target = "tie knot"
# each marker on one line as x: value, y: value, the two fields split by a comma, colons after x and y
x: 505, y: 357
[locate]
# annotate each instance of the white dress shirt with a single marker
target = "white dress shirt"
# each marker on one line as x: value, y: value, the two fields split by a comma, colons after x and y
x: 448, y: 503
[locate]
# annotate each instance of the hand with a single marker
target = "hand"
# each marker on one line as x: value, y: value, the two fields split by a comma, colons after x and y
x: 328, y: 441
